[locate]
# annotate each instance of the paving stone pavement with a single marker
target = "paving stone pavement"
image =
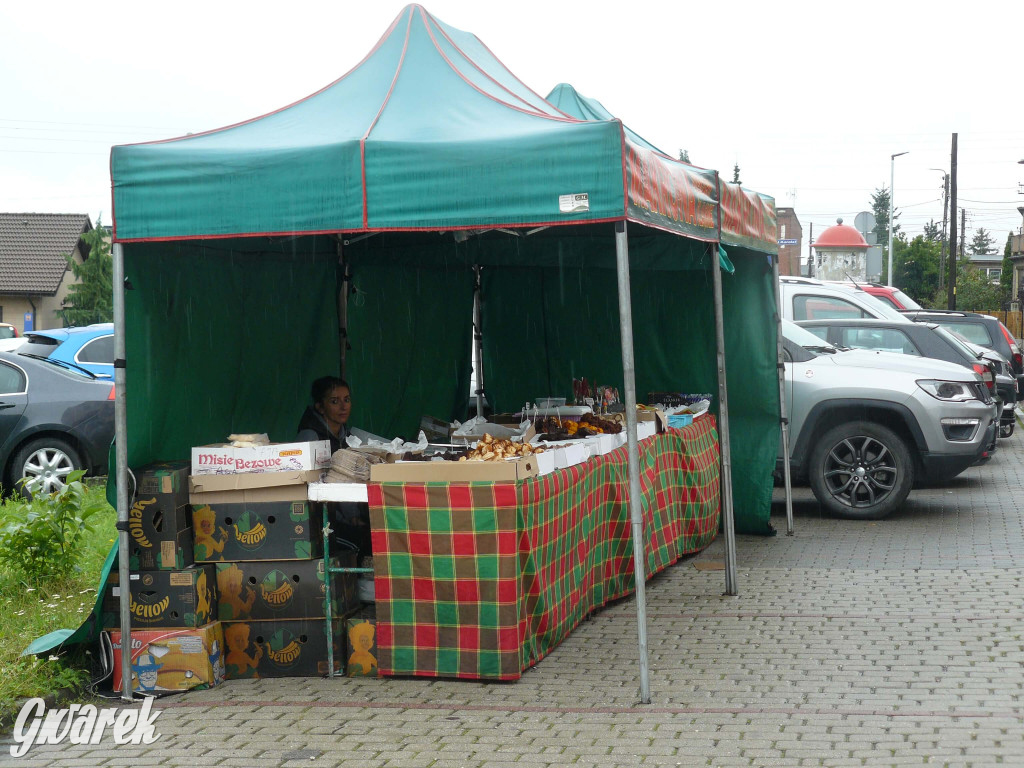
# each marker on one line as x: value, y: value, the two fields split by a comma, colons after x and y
x: 885, y: 643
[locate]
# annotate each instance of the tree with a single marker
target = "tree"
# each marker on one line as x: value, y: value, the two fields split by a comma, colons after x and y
x: 684, y: 155
x: 736, y: 174
x: 916, y: 267
x: 932, y: 232
x: 974, y: 291
x: 880, y: 208
x: 982, y: 242
x: 91, y: 300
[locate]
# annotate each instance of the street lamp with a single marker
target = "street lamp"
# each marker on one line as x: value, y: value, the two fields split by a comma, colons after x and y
x: 892, y: 180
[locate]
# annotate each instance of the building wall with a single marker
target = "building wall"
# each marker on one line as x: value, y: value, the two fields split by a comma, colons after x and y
x: 1017, y: 256
x: 789, y: 229
x: 47, y: 308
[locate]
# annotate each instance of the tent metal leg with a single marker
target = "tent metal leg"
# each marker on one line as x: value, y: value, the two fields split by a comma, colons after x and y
x: 783, y: 413
x: 346, y: 286
x: 728, y: 522
x: 478, y: 340
x: 121, y: 476
x: 635, y: 511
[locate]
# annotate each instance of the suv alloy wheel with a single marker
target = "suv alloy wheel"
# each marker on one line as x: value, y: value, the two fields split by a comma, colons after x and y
x: 861, y: 470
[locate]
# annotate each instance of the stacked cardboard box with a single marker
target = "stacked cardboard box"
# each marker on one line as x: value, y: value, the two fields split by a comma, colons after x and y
x: 177, y: 640
x: 265, y: 539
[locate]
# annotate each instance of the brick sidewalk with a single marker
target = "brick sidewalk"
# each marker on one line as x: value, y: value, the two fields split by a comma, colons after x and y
x: 884, y: 643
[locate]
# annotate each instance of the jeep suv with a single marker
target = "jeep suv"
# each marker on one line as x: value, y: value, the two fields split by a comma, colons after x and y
x: 865, y: 426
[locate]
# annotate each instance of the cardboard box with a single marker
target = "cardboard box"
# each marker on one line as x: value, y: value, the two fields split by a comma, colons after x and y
x: 545, y: 462
x: 275, y: 523
x: 284, y: 589
x: 172, y: 659
x: 570, y: 455
x: 160, y: 520
x: 186, y: 598
x: 245, y: 481
x: 282, y: 648
x: 223, y: 459
x: 454, y: 471
x: 657, y: 416
x: 361, y: 637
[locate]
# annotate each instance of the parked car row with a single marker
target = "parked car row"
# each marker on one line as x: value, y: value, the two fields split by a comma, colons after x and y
x: 881, y: 398
x: 56, y: 406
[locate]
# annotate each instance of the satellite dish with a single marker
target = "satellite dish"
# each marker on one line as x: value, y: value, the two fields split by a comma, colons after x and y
x: 864, y: 221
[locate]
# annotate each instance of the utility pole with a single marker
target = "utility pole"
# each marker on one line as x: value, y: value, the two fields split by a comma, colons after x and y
x: 945, y: 210
x: 951, y: 287
x: 810, y: 252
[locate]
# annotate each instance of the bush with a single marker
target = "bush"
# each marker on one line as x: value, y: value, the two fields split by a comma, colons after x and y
x: 42, y: 538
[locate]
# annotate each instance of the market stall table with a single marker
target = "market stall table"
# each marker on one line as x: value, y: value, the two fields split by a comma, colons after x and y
x: 482, y: 580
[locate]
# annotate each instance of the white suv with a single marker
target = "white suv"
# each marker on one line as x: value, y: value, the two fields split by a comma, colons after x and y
x: 806, y: 299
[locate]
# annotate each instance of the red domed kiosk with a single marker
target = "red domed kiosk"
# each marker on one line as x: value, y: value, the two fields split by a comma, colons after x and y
x: 841, y: 254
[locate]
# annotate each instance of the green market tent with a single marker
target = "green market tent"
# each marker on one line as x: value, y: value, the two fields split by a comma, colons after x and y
x: 348, y: 226
x: 749, y: 300
x: 232, y: 240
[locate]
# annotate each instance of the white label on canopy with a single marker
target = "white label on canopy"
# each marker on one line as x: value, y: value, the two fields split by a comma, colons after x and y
x: 574, y: 203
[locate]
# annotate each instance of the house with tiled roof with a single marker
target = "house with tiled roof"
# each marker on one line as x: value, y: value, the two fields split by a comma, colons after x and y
x: 34, y: 271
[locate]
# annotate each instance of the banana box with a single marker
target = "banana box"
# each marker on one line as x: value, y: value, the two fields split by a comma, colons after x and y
x: 282, y: 648
x: 274, y: 523
x: 285, y: 589
x: 172, y: 659
x: 160, y: 520
x: 185, y: 598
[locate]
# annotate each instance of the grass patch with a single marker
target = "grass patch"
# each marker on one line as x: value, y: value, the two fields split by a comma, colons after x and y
x: 31, y: 609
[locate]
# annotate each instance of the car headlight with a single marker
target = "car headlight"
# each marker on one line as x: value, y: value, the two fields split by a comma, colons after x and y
x: 950, y: 391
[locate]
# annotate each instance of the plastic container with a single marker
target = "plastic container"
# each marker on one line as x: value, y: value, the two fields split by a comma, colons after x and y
x: 550, y: 402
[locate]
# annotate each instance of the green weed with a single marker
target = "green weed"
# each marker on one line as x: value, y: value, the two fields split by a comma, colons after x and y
x: 33, y: 604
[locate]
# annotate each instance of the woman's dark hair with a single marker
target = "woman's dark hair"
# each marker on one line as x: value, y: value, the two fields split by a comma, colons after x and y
x: 323, y: 385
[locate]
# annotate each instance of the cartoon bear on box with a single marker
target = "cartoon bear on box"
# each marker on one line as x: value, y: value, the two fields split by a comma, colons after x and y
x: 204, y: 521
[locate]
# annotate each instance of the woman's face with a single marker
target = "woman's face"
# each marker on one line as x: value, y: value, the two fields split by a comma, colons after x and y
x: 335, y: 407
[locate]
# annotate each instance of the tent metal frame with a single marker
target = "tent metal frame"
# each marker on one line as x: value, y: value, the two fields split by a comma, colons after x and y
x: 629, y: 376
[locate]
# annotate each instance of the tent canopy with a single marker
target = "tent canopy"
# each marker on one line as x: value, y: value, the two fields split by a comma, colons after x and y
x: 429, y: 131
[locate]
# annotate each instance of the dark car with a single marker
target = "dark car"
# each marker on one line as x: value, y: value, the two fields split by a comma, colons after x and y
x: 980, y: 329
x: 920, y: 339
x: 54, y: 418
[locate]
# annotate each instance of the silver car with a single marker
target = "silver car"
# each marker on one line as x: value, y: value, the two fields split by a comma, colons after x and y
x: 865, y: 426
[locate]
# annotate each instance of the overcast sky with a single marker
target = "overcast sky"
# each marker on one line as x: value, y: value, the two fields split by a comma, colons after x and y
x: 810, y: 99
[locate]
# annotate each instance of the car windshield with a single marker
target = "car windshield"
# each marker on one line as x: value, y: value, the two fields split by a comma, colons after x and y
x: 905, y: 300
x: 957, y: 341
x: 804, y: 338
x: 7, y: 332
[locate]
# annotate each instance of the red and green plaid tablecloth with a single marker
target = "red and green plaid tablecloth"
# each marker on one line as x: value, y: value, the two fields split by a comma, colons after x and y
x: 483, y: 580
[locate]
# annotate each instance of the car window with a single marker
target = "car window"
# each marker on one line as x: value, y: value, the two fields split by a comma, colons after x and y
x: 955, y: 340
x: 7, y: 332
x: 886, y: 300
x: 878, y: 340
x: 906, y: 301
x: 12, y: 380
x: 99, y: 350
x: 806, y: 307
x: 41, y: 346
x: 976, y: 333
